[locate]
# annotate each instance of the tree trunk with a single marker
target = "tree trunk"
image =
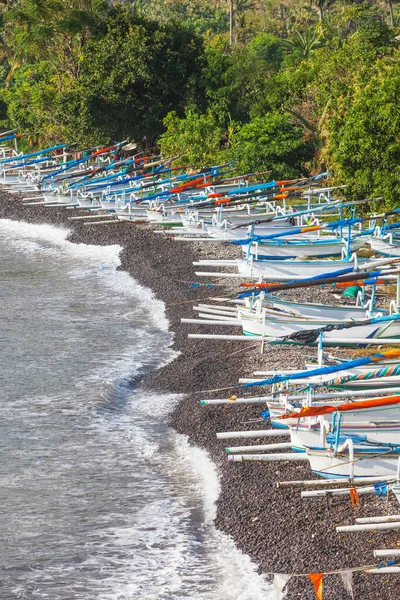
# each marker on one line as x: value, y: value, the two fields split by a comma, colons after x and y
x: 230, y: 22
x: 391, y: 13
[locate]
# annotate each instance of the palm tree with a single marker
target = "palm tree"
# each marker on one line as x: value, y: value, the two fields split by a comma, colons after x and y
x: 321, y: 5
x: 237, y: 8
x: 304, y: 44
x: 391, y: 11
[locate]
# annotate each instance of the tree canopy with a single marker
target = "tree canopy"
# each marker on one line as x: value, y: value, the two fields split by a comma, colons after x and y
x: 295, y: 86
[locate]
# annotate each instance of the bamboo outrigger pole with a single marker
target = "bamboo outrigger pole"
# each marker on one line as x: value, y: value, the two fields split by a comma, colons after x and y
x: 323, y: 483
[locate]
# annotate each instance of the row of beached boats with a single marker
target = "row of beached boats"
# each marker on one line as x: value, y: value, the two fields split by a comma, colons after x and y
x: 341, y: 417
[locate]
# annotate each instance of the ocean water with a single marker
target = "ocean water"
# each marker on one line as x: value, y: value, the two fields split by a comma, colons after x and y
x: 99, y: 499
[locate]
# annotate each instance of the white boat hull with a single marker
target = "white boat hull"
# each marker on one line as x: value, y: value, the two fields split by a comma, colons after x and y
x: 388, y: 413
x: 325, y: 464
x: 322, y: 311
x: 277, y: 327
x: 384, y: 248
x: 298, y: 249
x: 302, y: 435
x: 278, y: 270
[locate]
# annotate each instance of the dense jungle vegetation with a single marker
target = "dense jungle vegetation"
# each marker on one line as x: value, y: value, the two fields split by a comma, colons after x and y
x: 295, y: 86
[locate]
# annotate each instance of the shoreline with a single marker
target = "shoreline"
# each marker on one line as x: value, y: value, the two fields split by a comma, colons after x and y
x: 278, y: 530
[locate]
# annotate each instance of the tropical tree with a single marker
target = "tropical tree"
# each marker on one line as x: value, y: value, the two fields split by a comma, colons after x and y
x: 364, y: 148
x: 240, y: 8
x: 94, y: 72
x: 321, y: 5
x: 303, y: 45
x: 138, y: 72
x: 197, y: 136
x: 272, y: 142
x: 55, y: 31
x: 390, y: 4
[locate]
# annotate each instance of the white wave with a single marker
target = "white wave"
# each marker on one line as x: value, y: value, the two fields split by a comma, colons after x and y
x: 238, y: 579
x: 206, y: 563
x: 20, y: 229
x: 47, y: 239
x: 162, y: 404
x: 236, y: 574
x: 206, y: 472
x: 50, y: 239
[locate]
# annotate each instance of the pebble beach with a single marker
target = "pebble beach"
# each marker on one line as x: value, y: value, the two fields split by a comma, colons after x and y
x: 281, y: 532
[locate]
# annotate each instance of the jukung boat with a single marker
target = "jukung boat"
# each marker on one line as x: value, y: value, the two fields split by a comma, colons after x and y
x: 288, y: 270
x: 340, y: 456
x: 267, y: 326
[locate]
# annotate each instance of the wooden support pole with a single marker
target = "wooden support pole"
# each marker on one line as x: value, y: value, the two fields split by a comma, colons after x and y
x: 103, y: 222
x: 323, y: 483
x: 331, y: 342
x: 232, y: 275
x: 230, y: 22
x: 336, y: 492
x: 225, y: 435
x: 216, y: 307
x: 384, y: 519
x: 243, y: 338
x: 386, y: 552
x: 292, y: 456
x: 383, y: 571
x: 258, y: 448
x: 226, y: 401
x: 230, y: 322
x: 219, y: 316
x: 82, y: 217
x: 367, y: 527
x: 299, y: 398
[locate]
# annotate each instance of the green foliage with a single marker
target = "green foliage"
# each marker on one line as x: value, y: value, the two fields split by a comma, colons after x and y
x: 303, y: 45
x: 219, y: 63
x: 197, y: 137
x: 120, y: 83
x: 201, y: 15
x: 54, y: 30
x: 236, y: 80
x: 137, y: 73
x: 267, y: 48
x: 306, y: 84
x: 365, y: 147
x: 272, y: 142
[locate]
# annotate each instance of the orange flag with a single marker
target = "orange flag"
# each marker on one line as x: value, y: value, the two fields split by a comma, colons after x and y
x: 316, y: 578
x: 354, y: 498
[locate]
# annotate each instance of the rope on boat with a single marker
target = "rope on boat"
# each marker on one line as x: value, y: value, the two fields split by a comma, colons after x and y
x: 384, y: 372
x: 327, y: 370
